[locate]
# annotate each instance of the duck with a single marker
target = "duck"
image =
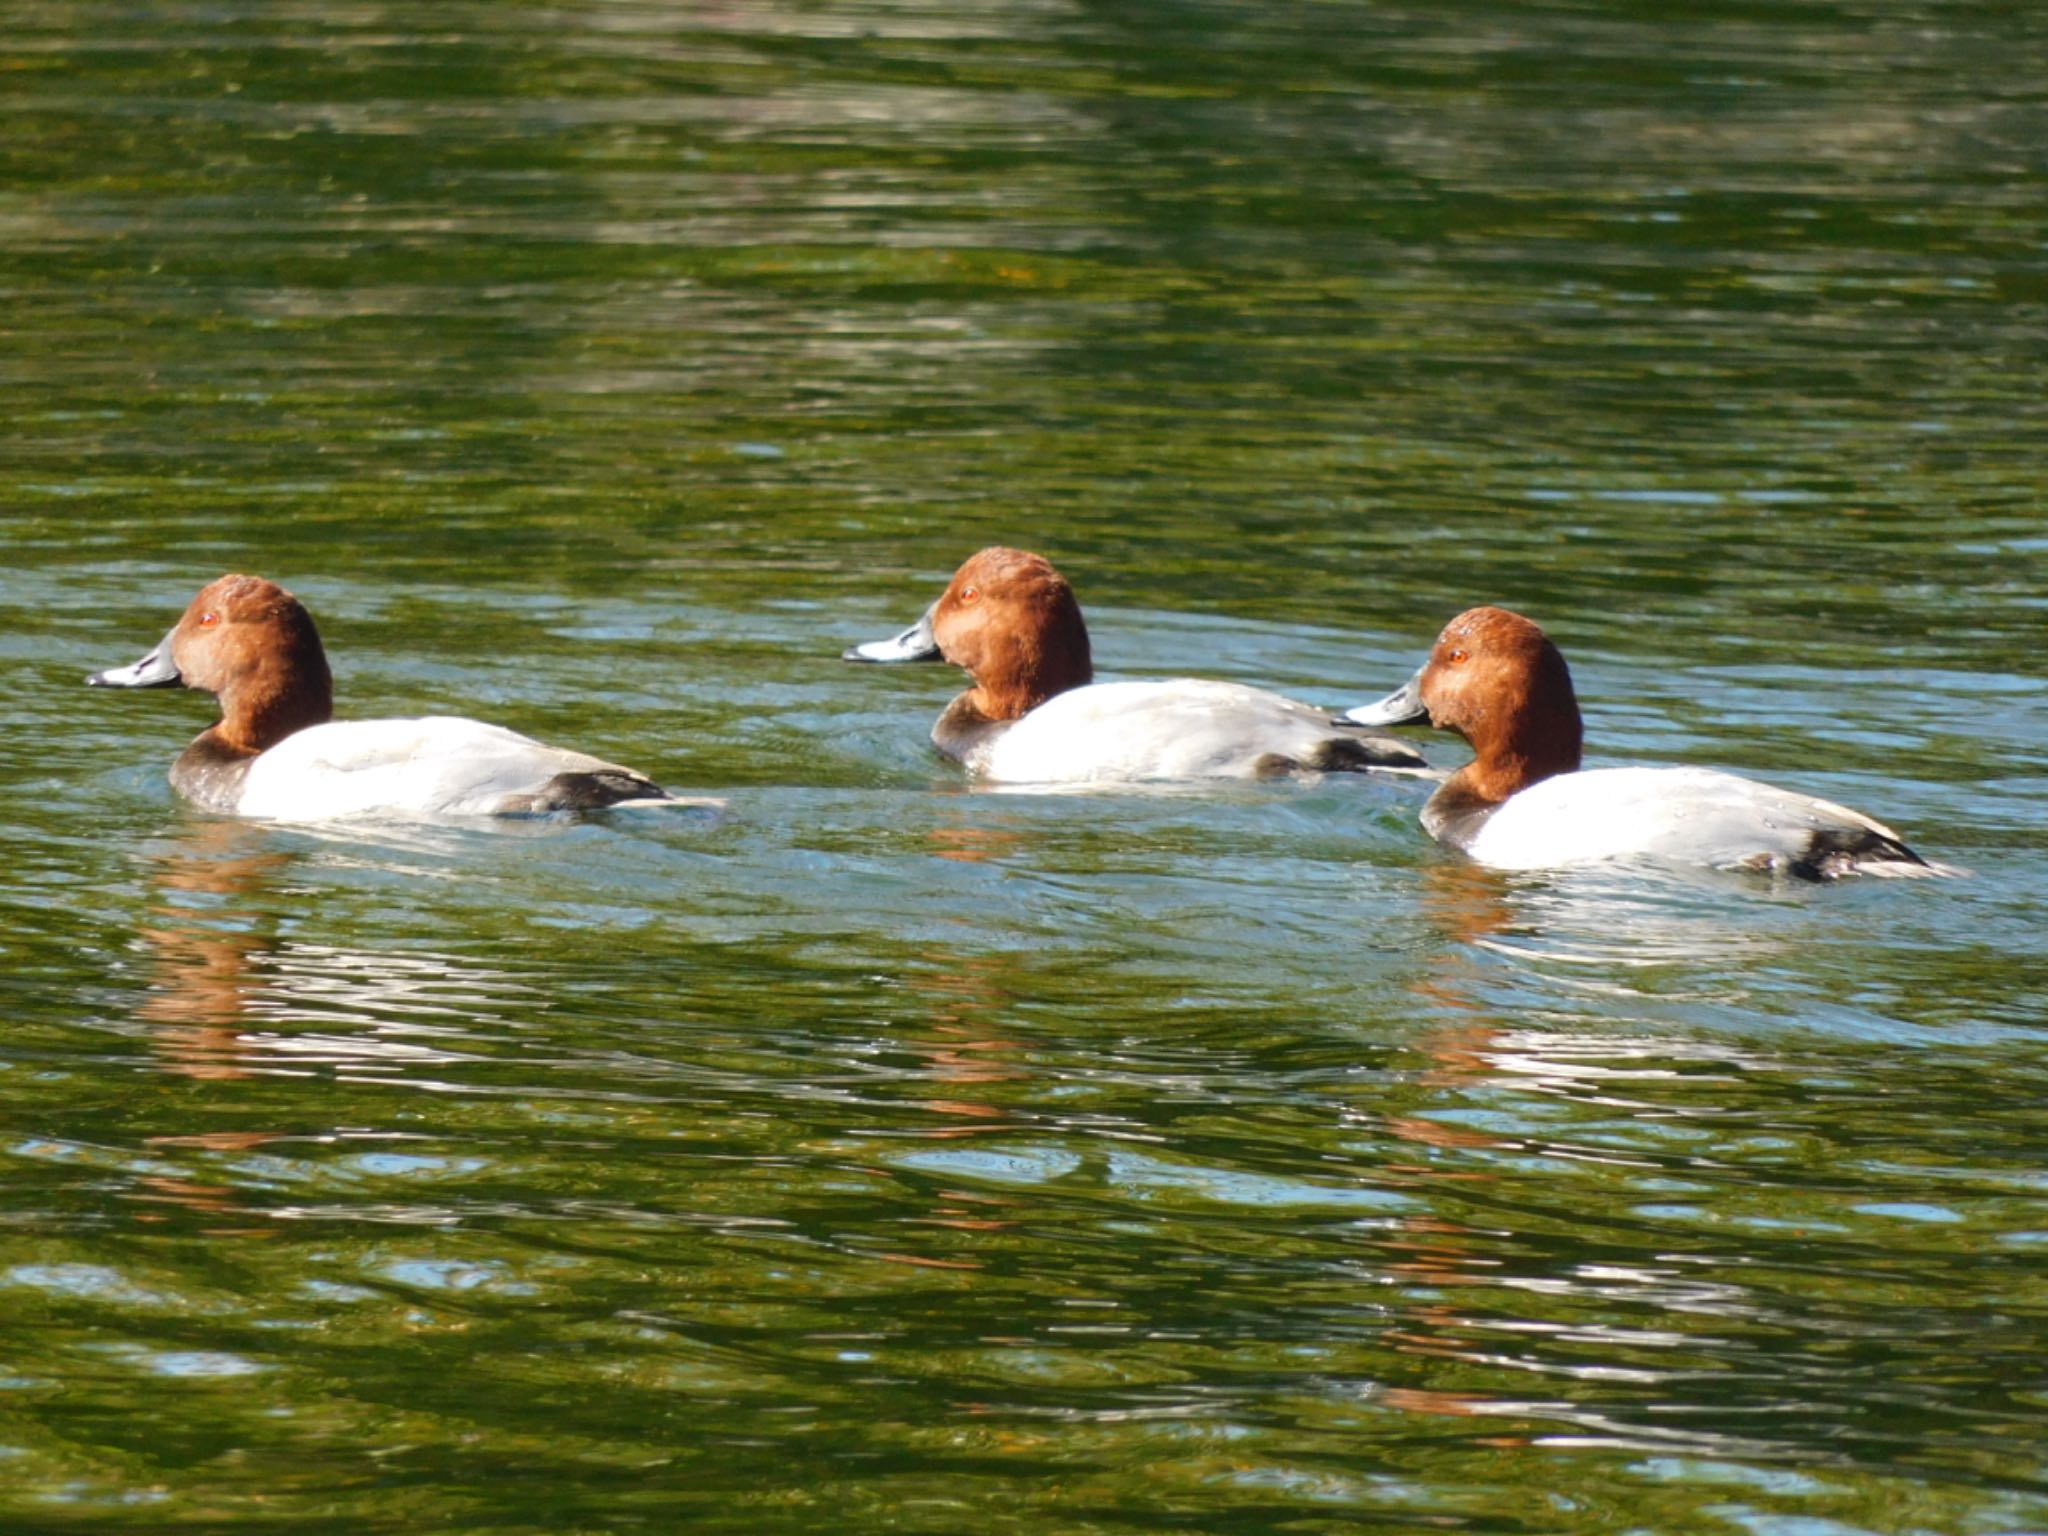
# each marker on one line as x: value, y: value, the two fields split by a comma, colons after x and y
x: 1523, y: 802
x: 276, y: 752
x: 1035, y: 715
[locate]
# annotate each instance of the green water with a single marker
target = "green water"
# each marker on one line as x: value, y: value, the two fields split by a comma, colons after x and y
x: 886, y: 1156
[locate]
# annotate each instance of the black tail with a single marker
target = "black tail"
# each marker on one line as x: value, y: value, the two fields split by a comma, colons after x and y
x: 587, y: 791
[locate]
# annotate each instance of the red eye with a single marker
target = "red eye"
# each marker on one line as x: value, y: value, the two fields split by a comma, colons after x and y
x: 969, y: 594
x: 1457, y: 655
x: 208, y: 620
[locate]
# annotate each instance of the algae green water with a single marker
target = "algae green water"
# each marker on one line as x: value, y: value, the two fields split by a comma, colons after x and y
x: 883, y: 1155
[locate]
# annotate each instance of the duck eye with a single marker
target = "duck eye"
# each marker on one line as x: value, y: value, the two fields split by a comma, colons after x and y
x: 969, y: 594
x: 1457, y: 655
x: 208, y: 620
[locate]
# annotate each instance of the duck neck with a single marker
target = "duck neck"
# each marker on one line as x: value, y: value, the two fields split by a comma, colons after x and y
x: 287, y: 691
x: 1030, y: 672
x: 1491, y: 778
x: 1530, y: 739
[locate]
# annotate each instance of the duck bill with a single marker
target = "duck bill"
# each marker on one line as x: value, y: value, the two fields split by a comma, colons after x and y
x: 1401, y: 707
x: 914, y: 644
x: 156, y: 670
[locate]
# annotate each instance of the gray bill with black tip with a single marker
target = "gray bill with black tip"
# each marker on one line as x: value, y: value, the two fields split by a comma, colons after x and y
x: 1401, y: 707
x: 156, y: 670
x: 914, y: 644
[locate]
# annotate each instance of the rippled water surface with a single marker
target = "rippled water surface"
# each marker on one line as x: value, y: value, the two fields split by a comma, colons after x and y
x: 878, y: 1154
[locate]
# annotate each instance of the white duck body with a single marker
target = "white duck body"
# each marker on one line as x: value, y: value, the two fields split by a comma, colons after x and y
x: 1035, y: 715
x: 437, y: 765
x: 1692, y: 815
x: 1178, y: 728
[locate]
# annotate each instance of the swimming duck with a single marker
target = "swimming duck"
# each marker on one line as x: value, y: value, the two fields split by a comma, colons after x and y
x: 277, y: 753
x: 1035, y: 715
x: 1523, y: 802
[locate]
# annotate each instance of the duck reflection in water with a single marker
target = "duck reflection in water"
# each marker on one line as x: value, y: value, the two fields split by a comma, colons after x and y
x: 1427, y: 1252
x: 1498, y: 1003
x: 232, y: 996
x: 228, y: 989
x: 205, y: 937
x: 231, y: 1000
x: 967, y: 1052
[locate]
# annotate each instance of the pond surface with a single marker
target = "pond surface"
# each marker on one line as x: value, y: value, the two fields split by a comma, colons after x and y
x: 885, y: 1155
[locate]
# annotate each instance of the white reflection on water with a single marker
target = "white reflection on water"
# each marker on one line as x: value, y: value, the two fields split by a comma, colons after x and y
x: 225, y: 985
x: 1616, y: 915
